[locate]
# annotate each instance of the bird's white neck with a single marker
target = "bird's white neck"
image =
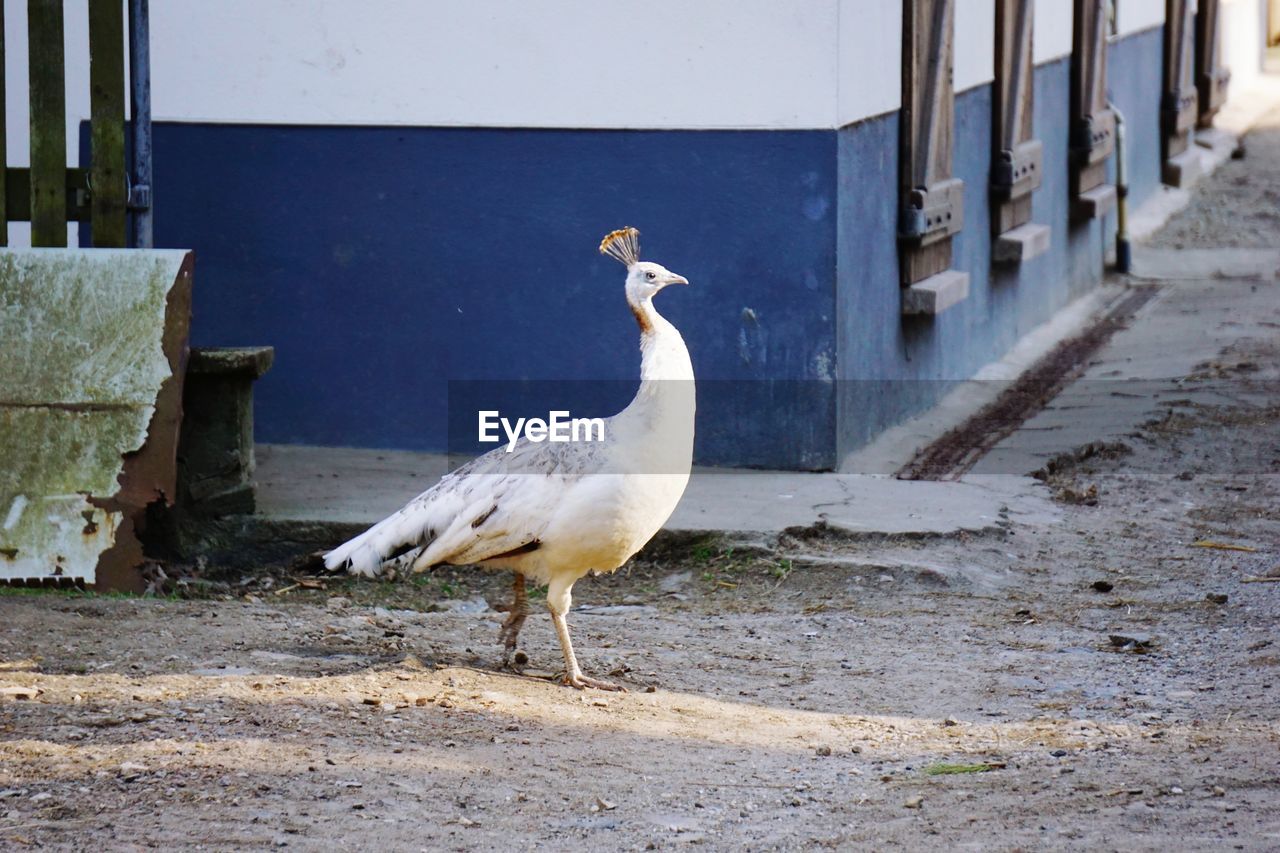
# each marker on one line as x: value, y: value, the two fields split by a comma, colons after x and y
x: 663, y: 355
x: 661, y: 417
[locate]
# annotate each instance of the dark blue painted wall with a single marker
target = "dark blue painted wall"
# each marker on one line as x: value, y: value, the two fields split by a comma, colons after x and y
x: 383, y: 263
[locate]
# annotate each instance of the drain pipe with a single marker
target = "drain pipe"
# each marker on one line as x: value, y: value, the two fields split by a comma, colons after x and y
x: 1124, y: 256
x: 140, y: 107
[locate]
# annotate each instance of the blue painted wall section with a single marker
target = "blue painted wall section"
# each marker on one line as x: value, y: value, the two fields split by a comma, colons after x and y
x: 1134, y: 70
x: 892, y: 367
x: 383, y: 263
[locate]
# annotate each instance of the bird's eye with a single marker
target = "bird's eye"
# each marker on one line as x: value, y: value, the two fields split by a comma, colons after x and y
x: 651, y: 275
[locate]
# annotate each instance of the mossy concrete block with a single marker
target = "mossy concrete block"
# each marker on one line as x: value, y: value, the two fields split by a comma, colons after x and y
x: 216, y: 459
x: 93, y: 344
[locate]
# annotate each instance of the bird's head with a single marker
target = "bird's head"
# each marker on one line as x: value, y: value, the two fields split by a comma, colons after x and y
x: 644, y: 278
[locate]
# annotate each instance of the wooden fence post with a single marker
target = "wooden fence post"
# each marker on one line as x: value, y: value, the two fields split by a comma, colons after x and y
x: 4, y: 135
x: 48, y: 123
x: 108, y: 185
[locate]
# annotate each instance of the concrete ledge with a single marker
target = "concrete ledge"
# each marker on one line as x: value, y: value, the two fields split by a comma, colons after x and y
x: 1097, y: 202
x: 1153, y: 213
x: 1216, y: 141
x: 226, y: 361
x: 1021, y: 244
x: 1184, y: 169
x: 215, y: 465
x: 936, y: 293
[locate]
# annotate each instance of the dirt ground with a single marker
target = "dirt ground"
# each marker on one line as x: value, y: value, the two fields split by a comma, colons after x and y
x: 1240, y: 206
x: 1111, y: 681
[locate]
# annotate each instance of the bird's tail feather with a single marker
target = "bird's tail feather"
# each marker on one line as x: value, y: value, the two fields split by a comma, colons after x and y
x: 398, y: 535
x: 356, y: 555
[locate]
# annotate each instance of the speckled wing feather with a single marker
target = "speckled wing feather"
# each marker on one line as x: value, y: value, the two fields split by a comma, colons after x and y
x: 495, y: 504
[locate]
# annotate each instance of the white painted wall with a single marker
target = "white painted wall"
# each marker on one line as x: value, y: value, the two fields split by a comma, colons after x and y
x: 510, y: 63
x: 505, y: 63
x: 975, y: 43
x: 1053, y: 31
x: 1243, y: 36
x: 1136, y: 15
x: 868, y: 80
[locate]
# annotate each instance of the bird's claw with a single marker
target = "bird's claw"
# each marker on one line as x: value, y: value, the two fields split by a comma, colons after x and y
x: 509, y: 636
x: 582, y: 682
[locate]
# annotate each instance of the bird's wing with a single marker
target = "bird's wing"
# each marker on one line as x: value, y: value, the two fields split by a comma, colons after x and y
x: 495, y: 505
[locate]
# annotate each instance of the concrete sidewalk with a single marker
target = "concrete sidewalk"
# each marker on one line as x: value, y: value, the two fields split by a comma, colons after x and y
x: 360, y: 487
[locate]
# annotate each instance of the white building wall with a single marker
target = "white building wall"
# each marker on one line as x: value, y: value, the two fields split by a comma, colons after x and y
x: 1243, y: 38
x: 869, y: 80
x: 1133, y: 16
x: 740, y: 64
x: 653, y: 64
x: 500, y: 63
x: 1053, y: 31
x: 975, y: 43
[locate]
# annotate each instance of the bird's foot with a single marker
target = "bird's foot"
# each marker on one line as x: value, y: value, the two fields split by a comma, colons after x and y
x: 582, y: 682
x: 509, y: 636
x: 515, y: 660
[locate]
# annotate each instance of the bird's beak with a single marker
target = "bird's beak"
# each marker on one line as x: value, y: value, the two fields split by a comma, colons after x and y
x: 677, y: 279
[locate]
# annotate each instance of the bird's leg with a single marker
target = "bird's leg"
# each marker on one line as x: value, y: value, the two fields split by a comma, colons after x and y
x: 558, y: 599
x: 510, y: 632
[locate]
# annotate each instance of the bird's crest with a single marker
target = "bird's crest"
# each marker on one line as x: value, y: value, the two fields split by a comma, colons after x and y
x: 622, y: 245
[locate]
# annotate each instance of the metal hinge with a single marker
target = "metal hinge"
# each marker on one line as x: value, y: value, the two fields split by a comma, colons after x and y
x: 139, y: 197
x: 1179, y: 111
x: 933, y: 213
x: 1094, y: 138
x: 1018, y: 170
x: 1213, y: 88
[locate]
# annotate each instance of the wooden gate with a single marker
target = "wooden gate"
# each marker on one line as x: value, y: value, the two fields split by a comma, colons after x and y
x: 49, y: 194
x: 1018, y: 158
x: 931, y: 199
x: 1093, y: 124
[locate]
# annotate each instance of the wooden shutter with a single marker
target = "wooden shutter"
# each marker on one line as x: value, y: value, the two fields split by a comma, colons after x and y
x: 1178, y: 107
x: 1093, y: 124
x: 931, y: 206
x: 1211, y: 77
x: 1018, y: 158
